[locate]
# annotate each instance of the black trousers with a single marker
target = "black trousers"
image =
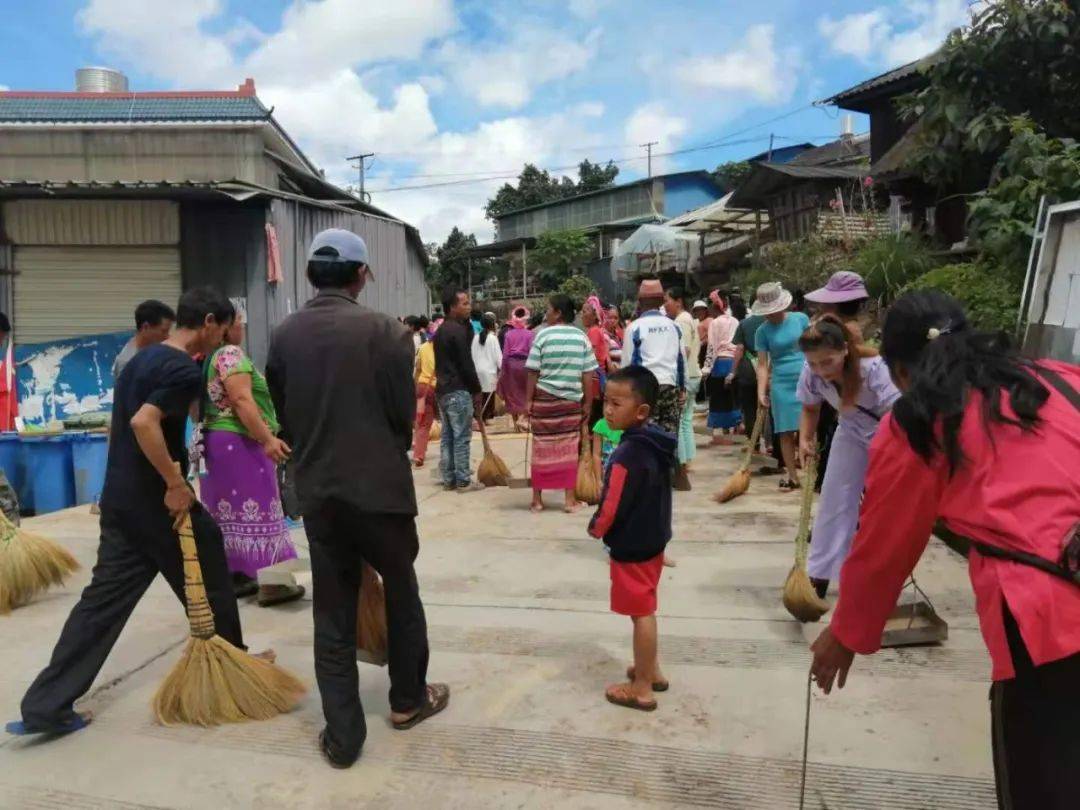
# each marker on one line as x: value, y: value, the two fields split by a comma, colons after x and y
x: 135, y: 547
x: 746, y: 393
x: 1036, y: 728
x: 341, y: 538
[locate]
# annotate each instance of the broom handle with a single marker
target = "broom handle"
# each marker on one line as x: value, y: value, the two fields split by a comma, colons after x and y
x: 755, y: 437
x: 809, y: 478
x: 200, y: 616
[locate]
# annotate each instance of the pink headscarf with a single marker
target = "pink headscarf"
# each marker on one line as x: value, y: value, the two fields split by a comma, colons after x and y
x: 520, y: 321
x: 593, y: 302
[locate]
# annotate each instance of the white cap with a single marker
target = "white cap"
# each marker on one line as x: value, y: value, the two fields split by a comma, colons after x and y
x: 349, y: 246
x: 700, y: 303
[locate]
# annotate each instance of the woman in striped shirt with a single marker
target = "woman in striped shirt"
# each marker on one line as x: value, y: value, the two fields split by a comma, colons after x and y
x: 559, y: 392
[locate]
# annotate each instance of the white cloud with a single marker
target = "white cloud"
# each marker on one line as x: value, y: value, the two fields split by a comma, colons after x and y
x: 754, y: 68
x: 164, y: 39
x: 316, y: 38
x: 654, y: 122
x: 508, y: 75
x: 3, y: 88
x: 889, y: 37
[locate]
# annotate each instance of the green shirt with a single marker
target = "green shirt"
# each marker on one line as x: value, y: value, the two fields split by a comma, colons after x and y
x: 561, y: 354
x: 609, y: 439
x: 225, y: 362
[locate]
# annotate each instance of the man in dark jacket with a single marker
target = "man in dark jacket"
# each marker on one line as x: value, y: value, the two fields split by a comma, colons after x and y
x: 341, y: 379
x: 456, y: 385
x: 634, y: 519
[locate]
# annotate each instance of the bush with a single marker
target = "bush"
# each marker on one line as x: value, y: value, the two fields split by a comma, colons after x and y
x: 802, y: 265
x: 889, y: 263
x: 578, y: 287
x: 987, y: 292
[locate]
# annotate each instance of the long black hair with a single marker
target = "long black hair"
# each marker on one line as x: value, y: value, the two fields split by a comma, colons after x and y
x: 487, y: 326
x: 928, y: 334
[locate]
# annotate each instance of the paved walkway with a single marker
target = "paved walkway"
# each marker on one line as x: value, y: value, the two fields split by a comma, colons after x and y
x: 519, y: 626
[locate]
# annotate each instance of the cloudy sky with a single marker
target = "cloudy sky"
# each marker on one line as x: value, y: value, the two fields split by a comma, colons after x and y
x: 452, y: 96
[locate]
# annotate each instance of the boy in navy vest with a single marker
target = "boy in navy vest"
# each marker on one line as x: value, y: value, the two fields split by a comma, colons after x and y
x: 634, y: 520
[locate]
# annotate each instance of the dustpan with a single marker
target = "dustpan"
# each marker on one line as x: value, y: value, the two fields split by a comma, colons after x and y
x: 526, y: 481
x: 800, y: 598
x: 914, y: 623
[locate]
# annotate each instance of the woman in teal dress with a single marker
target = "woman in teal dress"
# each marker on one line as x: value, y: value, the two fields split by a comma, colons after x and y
x: 779, y: 364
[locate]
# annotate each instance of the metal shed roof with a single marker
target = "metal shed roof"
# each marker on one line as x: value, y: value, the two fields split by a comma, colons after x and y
x: 16, y: 108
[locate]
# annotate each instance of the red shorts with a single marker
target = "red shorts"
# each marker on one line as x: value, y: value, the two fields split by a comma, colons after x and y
x: 633, y: 586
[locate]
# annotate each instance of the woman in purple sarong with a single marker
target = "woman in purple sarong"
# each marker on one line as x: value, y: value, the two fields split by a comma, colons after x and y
x: 514, y: 376
x: 242, y: 450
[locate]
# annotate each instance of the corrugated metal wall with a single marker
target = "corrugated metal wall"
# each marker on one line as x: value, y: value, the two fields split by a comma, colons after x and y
x: 92, y: 222
x: 225, y: 246
x: 399, y: 287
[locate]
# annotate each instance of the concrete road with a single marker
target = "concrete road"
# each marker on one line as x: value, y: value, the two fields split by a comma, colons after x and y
x: 517, y: 606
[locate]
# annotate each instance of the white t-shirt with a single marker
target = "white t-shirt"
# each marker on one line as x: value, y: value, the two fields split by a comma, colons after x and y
x: 488, y: 361
x: 653, y: 341
x: 691, y: 343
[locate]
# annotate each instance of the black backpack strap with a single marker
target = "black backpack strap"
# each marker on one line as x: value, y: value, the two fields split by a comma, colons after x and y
x: 1059, y: 383
x: 962, y: 545
x: 870, y: 413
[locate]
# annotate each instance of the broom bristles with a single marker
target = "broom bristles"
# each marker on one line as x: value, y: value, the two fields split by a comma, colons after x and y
x: 737, y: 484
x: 587, y: 488
x: 215, y: 682
x: 800, y: 598
x: 493, y: 471
x: 29, y: 564
x: 436, y: 431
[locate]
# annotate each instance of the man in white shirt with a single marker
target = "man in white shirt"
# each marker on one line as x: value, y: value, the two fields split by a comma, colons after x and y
x: 653, y: 341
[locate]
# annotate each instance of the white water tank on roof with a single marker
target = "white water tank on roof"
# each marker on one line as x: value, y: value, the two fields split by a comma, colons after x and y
x: 100, y: 80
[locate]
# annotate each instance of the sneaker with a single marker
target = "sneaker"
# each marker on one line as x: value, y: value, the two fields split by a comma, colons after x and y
x: 474, y: 486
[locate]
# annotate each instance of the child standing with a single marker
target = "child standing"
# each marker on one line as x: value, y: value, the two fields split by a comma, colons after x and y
x: 634, y: 520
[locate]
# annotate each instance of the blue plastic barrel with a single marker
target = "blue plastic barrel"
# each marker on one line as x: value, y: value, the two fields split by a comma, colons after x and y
x: 50, y: 472
x: 11, y: 462
x: 89, y: 452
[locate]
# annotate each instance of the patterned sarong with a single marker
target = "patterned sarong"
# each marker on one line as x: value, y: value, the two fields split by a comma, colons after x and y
x: 556, y: 434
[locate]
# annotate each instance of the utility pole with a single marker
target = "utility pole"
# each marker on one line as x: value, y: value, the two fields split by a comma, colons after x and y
x: 360, y: 167
x: 768, y: 158
x: 648, y: 150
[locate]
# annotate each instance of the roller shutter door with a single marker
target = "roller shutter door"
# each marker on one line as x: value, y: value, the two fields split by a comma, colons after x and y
x: 67, y: 291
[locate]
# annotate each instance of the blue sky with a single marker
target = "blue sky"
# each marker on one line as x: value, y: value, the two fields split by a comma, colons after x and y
x: 463, y: 92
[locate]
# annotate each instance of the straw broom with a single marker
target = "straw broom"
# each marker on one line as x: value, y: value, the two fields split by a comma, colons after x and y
x: 739, y: 481
x: 29, y: 564
x: 436, y: 431
x: 588, y: 486
x: 215, y: 682
x: 492, y: 471
x: 371, y: 633
x: 800, y: 598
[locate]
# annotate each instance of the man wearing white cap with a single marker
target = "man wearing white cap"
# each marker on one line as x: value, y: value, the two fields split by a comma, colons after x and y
x: 341, y: 377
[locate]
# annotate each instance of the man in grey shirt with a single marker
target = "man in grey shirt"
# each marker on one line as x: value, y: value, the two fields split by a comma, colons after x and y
x: 341, y: 377
x: 153, y: 323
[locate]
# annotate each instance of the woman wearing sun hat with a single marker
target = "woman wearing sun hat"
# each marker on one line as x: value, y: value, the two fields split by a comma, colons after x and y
x: 779, y: 364
x: 845, y: 296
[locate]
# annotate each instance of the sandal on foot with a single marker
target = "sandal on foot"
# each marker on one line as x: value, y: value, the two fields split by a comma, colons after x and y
x: 790, y: 485
x: 621, y: 695
x: 78, y: 721
x: 658, y: 686
x: 438, y: 695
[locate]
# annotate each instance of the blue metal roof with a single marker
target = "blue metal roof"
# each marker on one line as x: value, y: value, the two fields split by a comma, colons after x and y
x: 21, y: 108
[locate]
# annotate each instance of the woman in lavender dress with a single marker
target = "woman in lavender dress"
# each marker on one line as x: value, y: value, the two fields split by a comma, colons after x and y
x: 514, y: 377
x: 242, y: 450
x: 853, y: 379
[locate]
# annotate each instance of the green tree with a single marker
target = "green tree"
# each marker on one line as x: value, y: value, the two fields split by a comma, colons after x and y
x: 593, y: 176
x: 729, y: 176
x: 452, y: 260
x: 578, y: 287
x: 536, y: 186
x: 557, y: 254
x: 1018, y: 57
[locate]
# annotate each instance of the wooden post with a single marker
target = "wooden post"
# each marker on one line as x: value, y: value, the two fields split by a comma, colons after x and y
x: 757, y: 236
x: 524, y: 273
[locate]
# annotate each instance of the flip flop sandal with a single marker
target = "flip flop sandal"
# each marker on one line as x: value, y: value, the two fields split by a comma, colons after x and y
x: 789, y: 485
x: 658, y: 686
x: 767, y: 470
x: 21, y: 729
x: 438, y: 695
x: 270, y: 595
x: 624, y: 697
